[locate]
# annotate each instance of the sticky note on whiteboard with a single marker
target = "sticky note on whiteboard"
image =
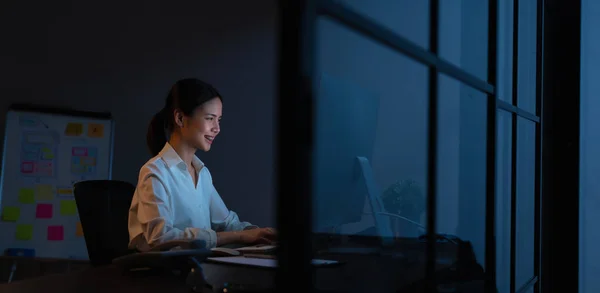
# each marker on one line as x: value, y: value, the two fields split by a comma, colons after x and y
x: 79, y: 230
x: 47, y: 153
x: 27, y: 195
x: 95, y: 130
x: 44, y: 192
x: 11, y: 214
x: 43, y: 211
x: 64, y: 191
x: 74, y: 129
x: 24, y: 232
x: 56, y: 233
x: 68, y: 207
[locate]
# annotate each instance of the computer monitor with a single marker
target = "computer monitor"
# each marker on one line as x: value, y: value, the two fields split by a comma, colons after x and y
x: 344, y: 128
x: 382, y: 221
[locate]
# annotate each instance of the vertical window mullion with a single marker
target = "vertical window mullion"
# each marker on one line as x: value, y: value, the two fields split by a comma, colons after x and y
x: 490, y: 240
x: 432, y: 148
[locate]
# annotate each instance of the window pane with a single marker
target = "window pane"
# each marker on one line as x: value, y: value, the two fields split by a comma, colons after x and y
x: 503, y: 200
x: 461, y: 185
x: 408, y: 18
x: 527, y: 55
x: 370, y: 102
x: 505, y: 50
x: 463, y: 34
x: 525, y: 225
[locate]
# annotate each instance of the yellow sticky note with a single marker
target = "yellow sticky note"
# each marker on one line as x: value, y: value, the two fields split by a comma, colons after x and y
x: 68, y: 207
x: 74, y: 129
x: 44, y: 192
x: 47, y: 154
x: 65, y: 191
x: 11, y: 214
x: 95, y: 130
x: 79, y: 230
x: 26, y: 195
x: 24, y: 232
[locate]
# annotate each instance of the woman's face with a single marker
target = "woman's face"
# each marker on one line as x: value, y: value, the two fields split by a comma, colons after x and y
x: 200, y: 129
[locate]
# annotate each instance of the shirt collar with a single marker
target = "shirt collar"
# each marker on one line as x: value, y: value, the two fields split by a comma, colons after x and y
x: 170, y: 156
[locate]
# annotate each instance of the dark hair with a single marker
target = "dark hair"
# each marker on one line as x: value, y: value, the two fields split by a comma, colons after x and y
x: 185, y: 95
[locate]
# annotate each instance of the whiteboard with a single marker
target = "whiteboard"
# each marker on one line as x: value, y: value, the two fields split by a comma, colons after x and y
x: 46, y: 151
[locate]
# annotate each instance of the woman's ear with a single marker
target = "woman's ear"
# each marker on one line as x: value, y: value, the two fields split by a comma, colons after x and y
x: 178, y: 116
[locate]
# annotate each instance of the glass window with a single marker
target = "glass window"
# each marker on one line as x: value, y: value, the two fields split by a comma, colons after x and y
x: 503, y: 200
x: 383, y: 97
x: 461, y: 167
x: 370, y: 102
x: 505, y: 51
x: 526, y: 74
x: 408, y: 18
x: 463, y: 35
x: 525, y: 225
x: 370, y: 147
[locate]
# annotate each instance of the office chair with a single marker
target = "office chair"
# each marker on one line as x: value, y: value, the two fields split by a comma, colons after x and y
x: 103, y: 207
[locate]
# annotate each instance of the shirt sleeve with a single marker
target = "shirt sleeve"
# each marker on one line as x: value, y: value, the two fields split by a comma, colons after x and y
x: 155, y: 216
x: 221, y: 218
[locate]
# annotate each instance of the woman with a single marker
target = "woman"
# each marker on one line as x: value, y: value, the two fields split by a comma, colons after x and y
x: 175, y: 198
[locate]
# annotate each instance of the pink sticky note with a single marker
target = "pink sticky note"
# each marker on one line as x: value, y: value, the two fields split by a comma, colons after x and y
x: 79, y: 151
x: 56, y: 233
x: 43, y: 211
x: 27, y: 167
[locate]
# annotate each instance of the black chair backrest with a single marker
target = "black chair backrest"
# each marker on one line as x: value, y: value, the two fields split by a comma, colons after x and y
x: 103, y: 207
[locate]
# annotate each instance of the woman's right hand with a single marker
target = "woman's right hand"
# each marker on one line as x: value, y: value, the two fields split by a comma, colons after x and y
x: 258, y: 235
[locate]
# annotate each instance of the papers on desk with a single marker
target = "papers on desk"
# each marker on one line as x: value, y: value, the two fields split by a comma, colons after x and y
x: 263, y: 262
x: 257, y: 248
x: 241, y: 260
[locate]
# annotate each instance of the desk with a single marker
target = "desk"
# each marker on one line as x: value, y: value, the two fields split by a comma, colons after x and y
x: 357, y: 273
x: 98, y: 280
x: 360, y: 273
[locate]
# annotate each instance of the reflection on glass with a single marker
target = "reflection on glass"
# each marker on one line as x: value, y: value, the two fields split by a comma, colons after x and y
x: 371, y: 102
x: 527, y: 55
x: 407, y: 18
x: 369, y: 160
x: 525, y: 225
x: 463, y: 35
x: 461, y: 182
x: 503, y: 200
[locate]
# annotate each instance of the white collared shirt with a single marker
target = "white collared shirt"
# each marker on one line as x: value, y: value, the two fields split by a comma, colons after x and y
x: 167, y: 206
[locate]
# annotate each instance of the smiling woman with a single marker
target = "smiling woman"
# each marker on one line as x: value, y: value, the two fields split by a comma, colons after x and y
x: 175, y: 198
